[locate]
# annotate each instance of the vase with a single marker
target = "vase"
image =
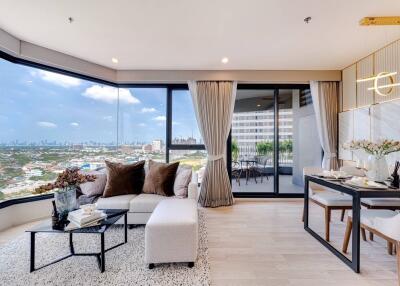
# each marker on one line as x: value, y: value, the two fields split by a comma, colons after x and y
x: 65, y: 199
x: 377, y: 168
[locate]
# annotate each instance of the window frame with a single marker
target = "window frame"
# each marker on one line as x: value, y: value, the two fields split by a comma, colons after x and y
x: 169, y: 145
x: 170, y: 87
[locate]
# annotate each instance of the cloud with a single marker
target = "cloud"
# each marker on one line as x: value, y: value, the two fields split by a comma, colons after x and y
x: 142, y: 124
x: 175, y: 123
x: 108, y: 118
x: 148, y: 109
x: 109, y: 94
x: 59, y: 79
x: 74, y: 124
x: 160, y: 118
x: 46, y: 124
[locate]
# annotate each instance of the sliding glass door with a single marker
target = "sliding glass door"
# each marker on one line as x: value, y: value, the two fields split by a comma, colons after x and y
x: 273, y: 137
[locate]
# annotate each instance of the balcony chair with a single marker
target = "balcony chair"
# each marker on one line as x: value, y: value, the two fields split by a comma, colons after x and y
x: 327, y: 199
x: 236, y: 171
x: 261, y: 166
x: 371, y: 220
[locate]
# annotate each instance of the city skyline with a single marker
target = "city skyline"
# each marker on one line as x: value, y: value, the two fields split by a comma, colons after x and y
x: 42, y: 105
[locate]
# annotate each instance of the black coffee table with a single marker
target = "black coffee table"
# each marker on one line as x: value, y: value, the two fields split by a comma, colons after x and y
x: 112, y: 217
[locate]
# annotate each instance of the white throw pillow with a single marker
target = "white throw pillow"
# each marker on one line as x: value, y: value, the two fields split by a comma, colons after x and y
x: 95, y: 188
x: 182, y: 180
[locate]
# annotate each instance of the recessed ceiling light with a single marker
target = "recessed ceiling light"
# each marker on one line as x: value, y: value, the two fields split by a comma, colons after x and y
x: 225, y: 60
x: 258, y: 105
x: 114, y: 60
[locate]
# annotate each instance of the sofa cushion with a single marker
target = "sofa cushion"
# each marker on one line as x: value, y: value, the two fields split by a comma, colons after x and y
x: 124, y: 179
x: 116, y: 202
x: 182, y: 180
x: 95, y: 188
x: 160, y: 178
x: 146, y: 203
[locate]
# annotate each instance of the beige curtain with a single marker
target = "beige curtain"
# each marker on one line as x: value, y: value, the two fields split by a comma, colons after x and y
x: 213, y: 103
x: 325, y: 97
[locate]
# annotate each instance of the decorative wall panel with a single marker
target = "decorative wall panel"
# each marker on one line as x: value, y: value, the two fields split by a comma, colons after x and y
x: 365, y: 68
x: 388, y: 60
x: 349, y: 95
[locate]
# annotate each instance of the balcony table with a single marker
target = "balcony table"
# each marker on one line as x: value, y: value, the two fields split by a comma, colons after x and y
x: 357, y: 194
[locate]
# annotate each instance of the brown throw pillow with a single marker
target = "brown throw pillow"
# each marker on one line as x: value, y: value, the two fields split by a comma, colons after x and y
x: 124, y: 179
x: 160, y: 178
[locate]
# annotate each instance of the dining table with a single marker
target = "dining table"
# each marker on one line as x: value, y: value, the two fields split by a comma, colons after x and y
x: 357, y: 193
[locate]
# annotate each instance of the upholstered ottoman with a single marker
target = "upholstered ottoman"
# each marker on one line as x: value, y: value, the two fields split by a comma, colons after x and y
x: 171, y: 234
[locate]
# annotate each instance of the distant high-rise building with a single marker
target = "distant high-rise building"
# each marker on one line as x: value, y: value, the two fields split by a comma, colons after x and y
x: 157, y: 145
x: 147, y: 148
x: 249, y: 128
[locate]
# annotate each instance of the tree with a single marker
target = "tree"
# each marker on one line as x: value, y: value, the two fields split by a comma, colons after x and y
x: 235, y: 150
x: 286, y: 146
x: 264, y: 147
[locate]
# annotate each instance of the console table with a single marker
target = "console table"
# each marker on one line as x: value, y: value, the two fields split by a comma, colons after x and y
x: 357, y: 194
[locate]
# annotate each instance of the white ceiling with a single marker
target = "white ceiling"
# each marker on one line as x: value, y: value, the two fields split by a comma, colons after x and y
x: 193, y: 34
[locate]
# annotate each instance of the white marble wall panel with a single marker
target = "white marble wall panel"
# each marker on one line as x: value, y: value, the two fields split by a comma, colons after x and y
x: 362, y: 124
x: 346, y: 132
x: 385, y: 124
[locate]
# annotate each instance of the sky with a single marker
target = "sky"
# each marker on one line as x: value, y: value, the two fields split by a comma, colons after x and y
x: 37, y: 105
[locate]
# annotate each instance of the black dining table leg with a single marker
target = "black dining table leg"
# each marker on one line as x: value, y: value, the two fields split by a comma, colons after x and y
x: 356, y: 233
x: 126, y: 227
x: 32, y: 264
x: 102, y: 254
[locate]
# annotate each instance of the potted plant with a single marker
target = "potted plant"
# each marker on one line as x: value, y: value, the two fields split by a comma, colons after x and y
x: 66, y: 185
x: 377, y: 166
x: 235, y: 150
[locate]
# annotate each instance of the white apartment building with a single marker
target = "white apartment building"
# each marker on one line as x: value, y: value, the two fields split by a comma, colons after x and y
x: 249, y: 128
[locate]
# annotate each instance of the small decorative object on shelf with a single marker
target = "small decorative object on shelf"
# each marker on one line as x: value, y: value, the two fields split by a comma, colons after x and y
x: 377, y: 166
x: 395, y: 182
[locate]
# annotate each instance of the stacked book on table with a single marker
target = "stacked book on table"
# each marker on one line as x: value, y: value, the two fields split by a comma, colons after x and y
x: 80, y: 219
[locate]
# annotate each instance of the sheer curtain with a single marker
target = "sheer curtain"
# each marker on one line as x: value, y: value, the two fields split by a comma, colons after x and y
x: 325, y: 95
x: 213, y: 103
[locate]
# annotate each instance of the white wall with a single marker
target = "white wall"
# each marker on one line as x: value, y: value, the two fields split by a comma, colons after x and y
x: 26, y: 212
x: 306, y: 146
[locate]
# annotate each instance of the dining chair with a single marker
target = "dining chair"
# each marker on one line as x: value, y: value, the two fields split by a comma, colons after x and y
x: 376, y: 222
x: 327, y: 199
x: 373, y: 203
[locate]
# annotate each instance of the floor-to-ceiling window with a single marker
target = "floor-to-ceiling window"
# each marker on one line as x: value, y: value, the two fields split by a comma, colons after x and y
x: 273, y: 137
x: 51, y: 120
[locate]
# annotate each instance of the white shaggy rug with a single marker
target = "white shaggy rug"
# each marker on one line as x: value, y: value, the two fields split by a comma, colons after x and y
x: 124, y: 265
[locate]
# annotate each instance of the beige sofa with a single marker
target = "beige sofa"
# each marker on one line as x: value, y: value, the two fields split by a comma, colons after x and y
x: 142, y: 206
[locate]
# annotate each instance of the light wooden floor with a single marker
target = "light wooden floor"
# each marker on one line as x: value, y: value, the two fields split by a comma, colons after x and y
x: 262, y: 242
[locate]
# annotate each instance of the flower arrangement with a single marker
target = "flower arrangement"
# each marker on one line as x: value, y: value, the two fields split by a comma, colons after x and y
x: 70, y: 178
x: 379, y: 149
